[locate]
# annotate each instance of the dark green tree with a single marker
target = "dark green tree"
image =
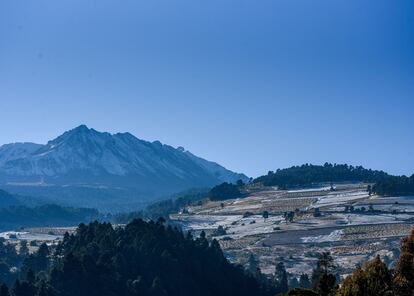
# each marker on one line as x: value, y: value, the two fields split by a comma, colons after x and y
x: 374, y: 280
x: 301, y: 292
x: 224, y: 191
x: 304, y: 281
x: 252, y: 265
x: 38, y: 261
x: 281, y: 281
x: 23, y: 288
x: 369, y: 189
x: 240, y: 183
x: 323, y: 278
x: 24, y: 249
x: 143, y: 258
x: 404, y: 271
x: 4, y: 291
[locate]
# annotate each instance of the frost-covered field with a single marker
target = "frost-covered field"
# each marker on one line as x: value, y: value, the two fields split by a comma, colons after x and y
x: 319, y: 223
x: 235, y: 225
x: 335, y: 199
x: 333, y: 236
x: 28, y: 236
x: 204, y: 222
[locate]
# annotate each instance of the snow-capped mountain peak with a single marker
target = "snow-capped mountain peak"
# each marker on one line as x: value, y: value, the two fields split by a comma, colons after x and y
x: 84, y: 156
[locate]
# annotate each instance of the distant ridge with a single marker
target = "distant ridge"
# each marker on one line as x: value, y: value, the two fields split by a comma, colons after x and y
x: 84, y: 167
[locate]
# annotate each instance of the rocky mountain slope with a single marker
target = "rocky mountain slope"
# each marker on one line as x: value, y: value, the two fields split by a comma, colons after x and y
x: 84, y: 167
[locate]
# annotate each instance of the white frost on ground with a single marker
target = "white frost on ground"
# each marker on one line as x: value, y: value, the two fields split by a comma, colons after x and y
x: 254, y: 225
x: 204, y: 222
x: 236, y: 226
x: 238, y: 208
x: 14, y: 235
x: 310, y: 189
x: 358, y: 219
x: 333, y: 236
x: 335, y: 199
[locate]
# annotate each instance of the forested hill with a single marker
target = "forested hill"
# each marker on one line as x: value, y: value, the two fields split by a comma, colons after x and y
x: 395, y: 185
x: 144, y: 258
x: 308, y: 174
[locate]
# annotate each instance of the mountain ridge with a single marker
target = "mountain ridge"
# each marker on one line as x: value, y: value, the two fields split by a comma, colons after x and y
x: 85, y: 157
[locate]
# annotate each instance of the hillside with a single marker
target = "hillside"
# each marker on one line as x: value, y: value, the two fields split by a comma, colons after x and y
x: 7, y: 199
x: 15, y: 217
x: 84, y: 167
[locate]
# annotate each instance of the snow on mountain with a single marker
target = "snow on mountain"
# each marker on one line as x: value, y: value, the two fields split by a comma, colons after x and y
x: 14, y: 151
x: 86, y: 157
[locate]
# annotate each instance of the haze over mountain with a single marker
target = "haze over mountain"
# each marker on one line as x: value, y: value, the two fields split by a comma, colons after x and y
x: 84, y: 167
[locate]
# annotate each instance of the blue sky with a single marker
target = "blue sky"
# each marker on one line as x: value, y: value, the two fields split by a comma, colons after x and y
x: 253, y: 85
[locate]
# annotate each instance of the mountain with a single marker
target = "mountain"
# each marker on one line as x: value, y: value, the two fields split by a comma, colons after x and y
x: 84, y: 167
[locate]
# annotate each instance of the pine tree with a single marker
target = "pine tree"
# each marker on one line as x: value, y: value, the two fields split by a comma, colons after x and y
x: 24, y: 249
x: 379, y: 280
x: 157, y: 289
x: 301, y: 292
x: 293, y: 282
x: 4, y: 291
x: 374, y: 280
x: 30, y: 276
x: 369, y: 189
x: 323, y: 280
x: 252, y: 264
x: 5, y: 275
x: 23, y: 288
x: 326, y: 284
x: 281, y: 282
x: 404, y: 271
x: 44, y: 290
x: 304, y: 281
x: 265, y: 215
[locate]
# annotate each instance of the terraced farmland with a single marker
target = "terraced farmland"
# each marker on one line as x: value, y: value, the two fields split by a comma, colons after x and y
x: 301, y: 223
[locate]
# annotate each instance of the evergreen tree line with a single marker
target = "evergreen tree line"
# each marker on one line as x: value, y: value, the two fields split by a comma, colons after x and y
x: 149, y: 258
x: 395, y: 185
x: 10, y: 260
x: 143, y: 258
x: 323, y: 281
x: 384, y: 184
x: 226, y: 191
x: 307, y: 174
x: 375, y: 279
x: 162, y: 208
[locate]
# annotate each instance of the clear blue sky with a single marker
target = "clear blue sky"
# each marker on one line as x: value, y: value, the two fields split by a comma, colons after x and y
x: 253, y: 85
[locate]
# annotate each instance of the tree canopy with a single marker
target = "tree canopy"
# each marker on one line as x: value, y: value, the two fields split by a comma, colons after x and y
x: 143, y: 258
x: 376, y: 279
x: 308, y: 174
x: 225, y: 191
x: 395, y: 185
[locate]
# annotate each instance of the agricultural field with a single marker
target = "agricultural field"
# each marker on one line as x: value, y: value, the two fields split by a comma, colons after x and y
x: 296, y: 225
x: 36, y: 236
